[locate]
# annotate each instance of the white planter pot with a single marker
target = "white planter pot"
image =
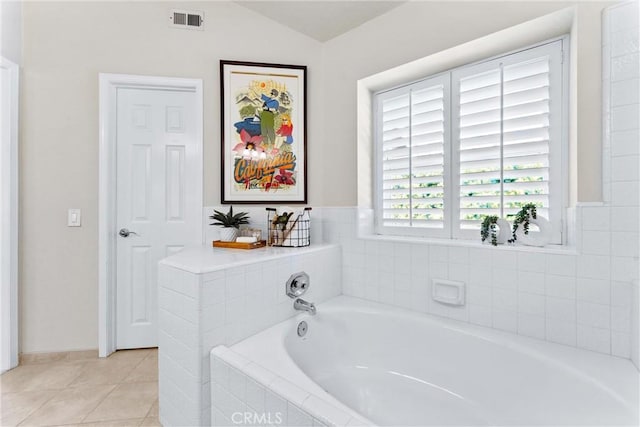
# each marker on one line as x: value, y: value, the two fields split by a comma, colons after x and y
x: 505, y: 231
x: 228, y: 234
x: 535, y: 238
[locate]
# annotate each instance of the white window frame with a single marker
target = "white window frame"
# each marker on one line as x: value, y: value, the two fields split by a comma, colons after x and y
x: 558, y: 155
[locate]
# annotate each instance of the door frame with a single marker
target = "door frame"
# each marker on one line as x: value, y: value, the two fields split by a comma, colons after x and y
x: 107, y: 208
x: 9, y: 224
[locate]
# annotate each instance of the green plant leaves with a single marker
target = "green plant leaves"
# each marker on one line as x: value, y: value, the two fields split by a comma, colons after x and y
x: 488, y: 227
x: 229, y: 219
x: 528, y: 210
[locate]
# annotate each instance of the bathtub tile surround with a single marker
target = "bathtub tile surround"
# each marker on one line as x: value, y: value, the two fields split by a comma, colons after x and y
x: 211, y: 297
x: 560, y: 295
x: 621, y: 162
x: 245, y: 393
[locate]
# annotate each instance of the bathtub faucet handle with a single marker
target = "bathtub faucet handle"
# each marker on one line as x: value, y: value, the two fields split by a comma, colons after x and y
x: 302, y: 305
x: 297, y: 284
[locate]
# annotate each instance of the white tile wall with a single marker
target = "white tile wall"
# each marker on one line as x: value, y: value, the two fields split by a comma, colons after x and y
x: 635, y: 326
x: 625, y: 143
x: 198, y: 312
x: 621, y: 140
x: 575, y: 298
x: 246, y: 394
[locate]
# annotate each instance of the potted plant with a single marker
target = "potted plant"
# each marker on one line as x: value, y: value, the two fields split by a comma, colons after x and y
x: 524, y: 218
x: 230, y: 223
x: 496, y: 228
x: 489, y: 227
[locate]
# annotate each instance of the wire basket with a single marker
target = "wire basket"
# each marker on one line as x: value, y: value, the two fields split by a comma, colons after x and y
x: 294, y: 233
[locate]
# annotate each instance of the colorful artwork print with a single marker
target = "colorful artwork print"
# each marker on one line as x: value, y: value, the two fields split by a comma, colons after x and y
x: 264, y: 158
x: 263, y: 133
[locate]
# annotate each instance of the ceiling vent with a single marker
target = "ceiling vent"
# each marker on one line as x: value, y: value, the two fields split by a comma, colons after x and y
x: 186, y: 19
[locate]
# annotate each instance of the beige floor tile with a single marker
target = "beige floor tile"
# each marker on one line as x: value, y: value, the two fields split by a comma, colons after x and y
x: 126, y: 401
x: 113, y: 423
x: 67, y: 356
x: 69, y: 406
x: 132, y: 354
x: 151, y: 421
x: 46, y: 376
x: 15, y: 407
x: 83, y: 391
x: 154, y: 411
x: 27, y: 359
x: 83, y: 355
x: 105, y: 371
x: 145, y: 371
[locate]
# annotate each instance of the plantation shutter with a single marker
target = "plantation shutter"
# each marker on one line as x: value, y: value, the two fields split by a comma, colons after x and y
x: 412, y: 132
x: 479, y: 146
x: 503, y: 113
x: 478, y: 140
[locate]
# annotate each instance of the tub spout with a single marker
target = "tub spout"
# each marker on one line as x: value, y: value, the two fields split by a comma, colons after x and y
x: 302, y: 305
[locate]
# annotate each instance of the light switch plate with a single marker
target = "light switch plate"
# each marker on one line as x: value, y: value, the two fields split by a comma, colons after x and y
x: 74, y: 218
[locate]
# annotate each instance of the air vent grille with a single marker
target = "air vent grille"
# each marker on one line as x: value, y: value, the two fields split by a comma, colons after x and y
x: 186, y: 19
x: 179, y: 18
x: 194, y: 20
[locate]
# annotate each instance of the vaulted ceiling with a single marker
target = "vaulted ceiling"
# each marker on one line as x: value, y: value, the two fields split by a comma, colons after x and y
x: 321, y: 20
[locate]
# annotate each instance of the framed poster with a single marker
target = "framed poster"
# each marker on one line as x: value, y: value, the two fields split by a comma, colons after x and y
x: 264, y: 133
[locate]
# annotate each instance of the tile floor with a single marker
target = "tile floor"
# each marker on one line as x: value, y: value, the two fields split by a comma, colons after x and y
x: 121, y: 390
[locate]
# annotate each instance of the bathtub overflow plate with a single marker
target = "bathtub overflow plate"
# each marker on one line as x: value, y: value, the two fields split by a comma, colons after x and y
x: 302, y: 328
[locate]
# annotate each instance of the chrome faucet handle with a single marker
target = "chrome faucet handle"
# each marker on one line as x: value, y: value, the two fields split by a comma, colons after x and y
x: 297, y: 284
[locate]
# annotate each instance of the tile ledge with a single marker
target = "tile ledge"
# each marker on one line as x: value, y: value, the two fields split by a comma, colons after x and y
x: 554, y: 249
x: 203, y: 259
x: 590, y: 204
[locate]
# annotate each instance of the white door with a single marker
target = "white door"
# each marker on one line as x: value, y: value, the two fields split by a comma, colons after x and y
x: 158, y: 208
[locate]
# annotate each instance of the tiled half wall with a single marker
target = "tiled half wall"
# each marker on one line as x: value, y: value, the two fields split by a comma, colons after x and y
x: 200, y: 311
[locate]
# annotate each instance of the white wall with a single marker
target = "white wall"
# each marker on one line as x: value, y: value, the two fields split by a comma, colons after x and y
x: 11, y: 30
x: 418, y: 29
x: 66, y: 45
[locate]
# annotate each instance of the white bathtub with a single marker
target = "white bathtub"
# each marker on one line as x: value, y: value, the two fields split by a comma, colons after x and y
x: 399, y: 368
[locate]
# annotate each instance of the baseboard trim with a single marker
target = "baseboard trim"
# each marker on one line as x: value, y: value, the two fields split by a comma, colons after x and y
x: 63, y: 356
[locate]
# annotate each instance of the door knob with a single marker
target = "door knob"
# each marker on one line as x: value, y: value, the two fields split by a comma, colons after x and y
x: 125, y: 233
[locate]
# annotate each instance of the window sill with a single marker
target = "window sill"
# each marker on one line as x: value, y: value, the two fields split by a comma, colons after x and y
x: 550, y: 249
